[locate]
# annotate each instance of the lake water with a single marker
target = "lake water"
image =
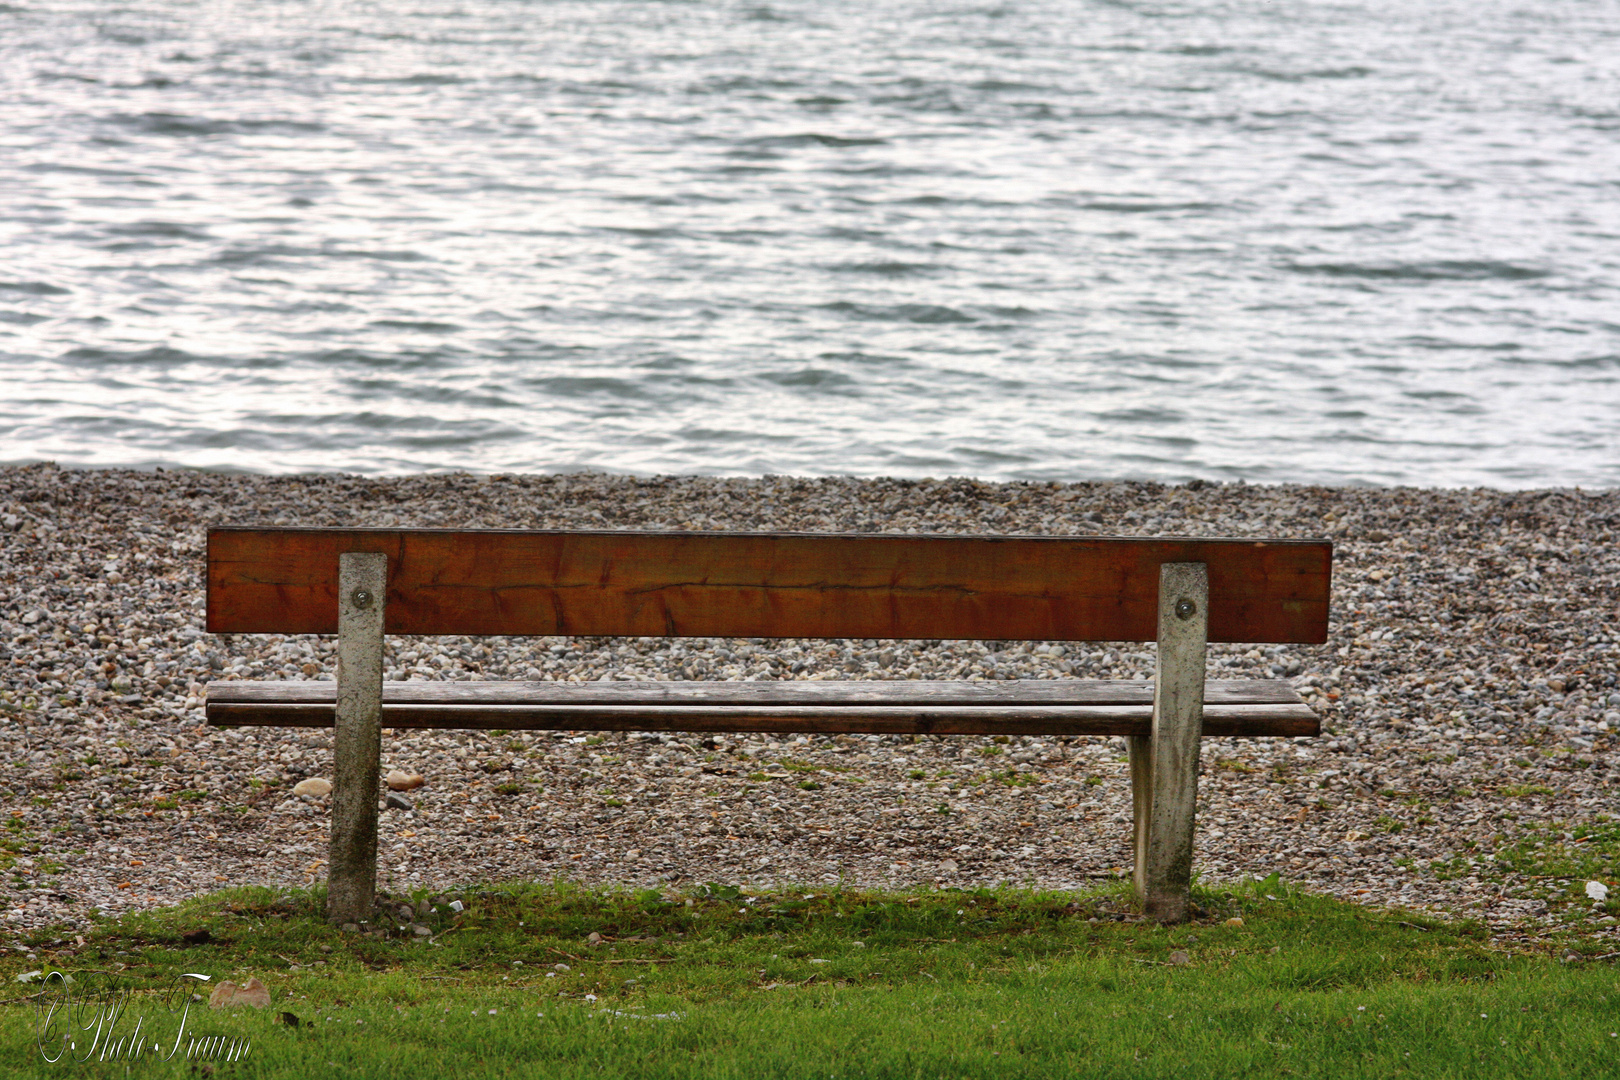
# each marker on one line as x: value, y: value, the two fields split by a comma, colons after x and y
x: 1372, y: 241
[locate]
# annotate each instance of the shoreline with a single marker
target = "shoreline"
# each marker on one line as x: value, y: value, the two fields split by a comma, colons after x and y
x: 1192, y: 483
x: 1463, y: 695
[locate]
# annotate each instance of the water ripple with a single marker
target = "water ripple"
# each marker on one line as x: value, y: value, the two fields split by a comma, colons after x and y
x: 1362, y: 242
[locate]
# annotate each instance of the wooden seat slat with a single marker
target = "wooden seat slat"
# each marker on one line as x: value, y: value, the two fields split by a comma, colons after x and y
x: 1255, y: 720
x: 829, y: 692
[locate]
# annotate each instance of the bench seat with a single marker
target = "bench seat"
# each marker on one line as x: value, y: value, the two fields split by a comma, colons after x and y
x: 1232, y: 707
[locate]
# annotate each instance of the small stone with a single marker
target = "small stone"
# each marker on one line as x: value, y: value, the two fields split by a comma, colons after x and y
x: 1179, y: 958
x: 595, y: 939
x: 421, y: 931
x: 396, y: 801
x: 315, y: 787
x: 561, y: 967
x: 1234, y: 921
x: 351, y: 928
x: 399, y: 780
x: 229, y: 995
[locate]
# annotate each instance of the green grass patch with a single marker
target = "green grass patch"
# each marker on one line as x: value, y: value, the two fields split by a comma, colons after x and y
x: 1590, y: 850
x: 560, y: 981
x: 1520, y: 791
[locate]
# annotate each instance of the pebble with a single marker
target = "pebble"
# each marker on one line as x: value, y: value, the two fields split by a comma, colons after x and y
x: 399, y: 780
x: 396, y: 801
x: 1472, y: 655
x: 1179, y: 958
x: 314, y: 787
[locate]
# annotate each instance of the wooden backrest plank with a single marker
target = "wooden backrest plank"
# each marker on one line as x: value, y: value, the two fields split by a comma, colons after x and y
x: 771, y: 585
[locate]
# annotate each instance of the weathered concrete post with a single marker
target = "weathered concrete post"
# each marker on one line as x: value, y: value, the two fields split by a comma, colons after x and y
x: 357, y: 737
x: 1165, y: 810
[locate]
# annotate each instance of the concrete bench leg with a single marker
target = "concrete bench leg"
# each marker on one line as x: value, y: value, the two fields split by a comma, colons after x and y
x: 1164, y: 766
x: 357, y: 737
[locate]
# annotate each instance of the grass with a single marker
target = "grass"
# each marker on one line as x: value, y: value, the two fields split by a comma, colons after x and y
x: 559, y: 981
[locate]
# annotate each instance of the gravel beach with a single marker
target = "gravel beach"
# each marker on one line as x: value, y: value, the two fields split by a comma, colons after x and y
x: 1468, y: 693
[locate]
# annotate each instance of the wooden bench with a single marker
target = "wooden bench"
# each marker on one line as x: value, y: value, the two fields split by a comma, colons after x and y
x: 1181, y: 593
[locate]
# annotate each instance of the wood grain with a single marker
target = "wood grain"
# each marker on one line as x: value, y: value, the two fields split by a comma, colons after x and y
x: 1178, y: 723
x: 769, y: 585
x: 1225, y: 720
x: 1063, y: 707
x: 761, y: 694
x: 357, y: 739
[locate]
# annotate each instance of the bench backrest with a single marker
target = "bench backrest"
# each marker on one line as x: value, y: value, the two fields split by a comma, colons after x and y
x: 772, y: 585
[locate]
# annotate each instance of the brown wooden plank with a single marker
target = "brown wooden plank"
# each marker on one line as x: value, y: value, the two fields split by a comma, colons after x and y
x: 830, y: 693
x: 766, y: 584
x: 1219, y: 720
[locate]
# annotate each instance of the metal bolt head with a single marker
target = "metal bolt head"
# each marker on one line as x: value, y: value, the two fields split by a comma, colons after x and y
x: 1185, y: 609
x: 361, y: 598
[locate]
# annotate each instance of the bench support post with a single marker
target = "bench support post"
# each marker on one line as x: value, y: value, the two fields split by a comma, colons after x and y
x: 1141, y: 758
x: 357, y: 737
x: 1164, y: 766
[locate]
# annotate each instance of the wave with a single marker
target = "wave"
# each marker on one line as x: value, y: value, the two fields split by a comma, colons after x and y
x: 1352, y: 72
x: 814, y: 138
x: 163, y: 123
x: 928, y: 314
x: 33, y: 288
x: 809, y: 378
x: 1436, y: 270
x: 888, y: 268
